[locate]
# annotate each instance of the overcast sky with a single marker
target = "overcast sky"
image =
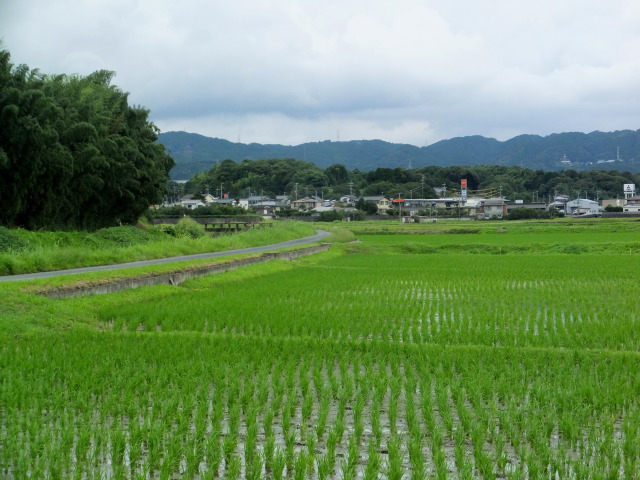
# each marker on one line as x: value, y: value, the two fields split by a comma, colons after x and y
x: 406, y: 71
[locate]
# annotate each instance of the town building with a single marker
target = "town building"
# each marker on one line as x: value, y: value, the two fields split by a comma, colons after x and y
x: 190, y: 202
x: 306, y: 203
x: 492, y: 208
x: 632, y: 205
x: 582, y: 206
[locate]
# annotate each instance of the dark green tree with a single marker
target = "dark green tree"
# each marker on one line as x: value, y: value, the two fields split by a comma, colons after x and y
x: 73, y: 153
x: 367, y: 206
x: 337, y: 174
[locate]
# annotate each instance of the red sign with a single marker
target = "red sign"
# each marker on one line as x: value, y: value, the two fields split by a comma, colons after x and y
x: 463, y: 183
x: 398, y: 200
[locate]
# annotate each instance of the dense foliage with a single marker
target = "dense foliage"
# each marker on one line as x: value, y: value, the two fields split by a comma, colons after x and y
x: 278, y: 176
x: 73, y: 153
x: 268, y: 177
x: 213, y: 210
x: 524, y: 213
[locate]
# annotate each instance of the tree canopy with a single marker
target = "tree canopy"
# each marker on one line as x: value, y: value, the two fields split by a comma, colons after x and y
x: 286, y: 176
x: 258, y: 177
x: 73, y: 153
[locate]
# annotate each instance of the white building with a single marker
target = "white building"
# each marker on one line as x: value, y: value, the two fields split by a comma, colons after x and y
x: 493, y: 208
x: 188, y: 201
x: 582, y: 206
x: 632, y: 204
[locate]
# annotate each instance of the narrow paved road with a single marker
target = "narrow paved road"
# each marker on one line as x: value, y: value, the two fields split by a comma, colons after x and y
x: 143, y: 263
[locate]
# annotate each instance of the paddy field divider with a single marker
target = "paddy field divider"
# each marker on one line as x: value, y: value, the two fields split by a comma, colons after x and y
x: 179, y: 276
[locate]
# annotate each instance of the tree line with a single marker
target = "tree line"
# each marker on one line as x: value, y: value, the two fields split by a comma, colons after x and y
x: 299, y: 178
x: 73, y: 152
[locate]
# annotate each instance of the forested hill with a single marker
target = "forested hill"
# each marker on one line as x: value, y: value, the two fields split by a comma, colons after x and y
x: 195, y: 153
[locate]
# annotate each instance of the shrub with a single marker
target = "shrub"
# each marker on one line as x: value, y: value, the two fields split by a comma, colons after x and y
x: 189, y: 228
x: 522, y: 213
x: 168, y: 229
x: 333, y: 215
x: 553, y: 212
x: 125, y: 235
x: 10, y: 241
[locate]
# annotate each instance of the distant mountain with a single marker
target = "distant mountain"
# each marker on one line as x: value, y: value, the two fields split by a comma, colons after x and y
x: 618, y: 150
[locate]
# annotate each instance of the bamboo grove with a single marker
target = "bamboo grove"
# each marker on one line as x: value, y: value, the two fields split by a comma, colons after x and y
x: 73, y: 153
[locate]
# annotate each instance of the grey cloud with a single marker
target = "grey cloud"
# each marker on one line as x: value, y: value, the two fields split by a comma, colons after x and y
x: 407, y: 70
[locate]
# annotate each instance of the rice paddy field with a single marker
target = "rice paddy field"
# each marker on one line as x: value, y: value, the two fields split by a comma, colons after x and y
x: 511, y: 351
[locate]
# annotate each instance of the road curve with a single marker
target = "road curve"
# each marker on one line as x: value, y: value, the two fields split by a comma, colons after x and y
x: 157, y: 261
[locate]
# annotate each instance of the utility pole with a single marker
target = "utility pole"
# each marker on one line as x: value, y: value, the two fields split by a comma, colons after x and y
x: 350, y: 189
x: 422, y: 184
x: 296, y: 191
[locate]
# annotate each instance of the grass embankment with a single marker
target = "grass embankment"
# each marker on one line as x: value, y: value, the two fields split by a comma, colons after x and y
x: 22, y: 251
x: 25, y: 252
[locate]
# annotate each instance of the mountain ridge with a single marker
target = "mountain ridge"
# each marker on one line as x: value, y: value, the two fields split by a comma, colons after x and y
x: 195, y: 153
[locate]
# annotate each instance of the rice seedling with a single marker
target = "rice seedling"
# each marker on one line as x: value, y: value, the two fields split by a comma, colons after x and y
x: 279, y: 463
x: 374, y: 462
x: 301, y: 466
x: 395, y: 459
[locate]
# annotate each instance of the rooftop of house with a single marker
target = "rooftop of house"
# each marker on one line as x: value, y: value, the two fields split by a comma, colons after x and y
x: 494, y: 201
x: 375, y: 198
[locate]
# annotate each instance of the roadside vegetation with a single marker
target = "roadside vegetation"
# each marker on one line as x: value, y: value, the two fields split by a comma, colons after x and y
x: 23, y: 251
x: 369, y: 360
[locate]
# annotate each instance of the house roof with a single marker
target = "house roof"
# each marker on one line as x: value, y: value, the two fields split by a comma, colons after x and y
x: 582, y: 202
x: 494, y: 201
x: 305, y: 200
x: 375, y: 198
x: 531, y: 206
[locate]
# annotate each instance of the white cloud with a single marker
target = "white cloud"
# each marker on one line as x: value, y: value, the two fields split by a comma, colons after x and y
x: 285, y: 71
